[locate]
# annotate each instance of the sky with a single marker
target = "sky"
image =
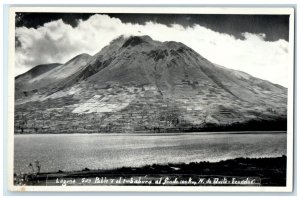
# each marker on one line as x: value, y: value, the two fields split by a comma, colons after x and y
x: 255, y: 44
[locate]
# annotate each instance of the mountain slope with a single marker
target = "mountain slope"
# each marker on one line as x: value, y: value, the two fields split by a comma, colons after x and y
x: 52, y: 75
x: 138, y: 84
x: 22, y: 79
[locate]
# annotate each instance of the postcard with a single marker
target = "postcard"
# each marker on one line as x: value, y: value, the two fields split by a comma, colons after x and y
x: 185, y: 99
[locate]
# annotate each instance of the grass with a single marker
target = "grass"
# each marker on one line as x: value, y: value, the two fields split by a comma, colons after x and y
x: 265, y: 171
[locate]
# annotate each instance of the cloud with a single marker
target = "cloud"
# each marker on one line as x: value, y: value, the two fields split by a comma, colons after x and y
x: 58, y: 42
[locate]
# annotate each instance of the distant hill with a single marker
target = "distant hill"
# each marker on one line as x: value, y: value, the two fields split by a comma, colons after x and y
x: 50, y: 74
x: 23, y: 79
x: 136, y: 84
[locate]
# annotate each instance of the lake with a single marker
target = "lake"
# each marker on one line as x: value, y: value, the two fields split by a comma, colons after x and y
x: 69, y: 152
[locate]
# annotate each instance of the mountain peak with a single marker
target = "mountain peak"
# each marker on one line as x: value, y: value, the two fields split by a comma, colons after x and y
x: 119, y: 39
x: 137, y: 40
x: 39, y: 69
x: 139, y: 84
x: 83, y: 56
x: 124, y: 41
x: 174, y: 45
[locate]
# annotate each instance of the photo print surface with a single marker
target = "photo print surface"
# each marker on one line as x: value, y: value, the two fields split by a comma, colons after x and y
x: 112, y: 99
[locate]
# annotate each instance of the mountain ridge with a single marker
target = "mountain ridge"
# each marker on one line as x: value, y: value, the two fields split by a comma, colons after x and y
x: 139, y: 84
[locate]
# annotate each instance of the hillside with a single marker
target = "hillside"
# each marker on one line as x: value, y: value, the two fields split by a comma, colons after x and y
x: 22, y: 80
x: 137, y: 84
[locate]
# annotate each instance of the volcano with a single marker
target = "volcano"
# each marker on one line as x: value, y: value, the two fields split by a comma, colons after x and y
x: 137, y: 84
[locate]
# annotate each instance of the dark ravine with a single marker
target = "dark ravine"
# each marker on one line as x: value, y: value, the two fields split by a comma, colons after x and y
x: 137, y: 84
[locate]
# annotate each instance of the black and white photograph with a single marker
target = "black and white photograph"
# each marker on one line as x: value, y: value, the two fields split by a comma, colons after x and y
x: 151, y: 99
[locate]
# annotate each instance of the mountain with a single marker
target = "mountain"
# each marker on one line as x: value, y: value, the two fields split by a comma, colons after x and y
x: 139, y: 84
x: 50, y: 76
x: 22, y: 79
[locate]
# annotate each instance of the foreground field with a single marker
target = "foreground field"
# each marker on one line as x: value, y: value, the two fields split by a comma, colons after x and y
x: 239, y: 171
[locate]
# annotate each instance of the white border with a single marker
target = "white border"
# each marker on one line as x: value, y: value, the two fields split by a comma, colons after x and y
x: 188, y: 10
x: 179, y: 10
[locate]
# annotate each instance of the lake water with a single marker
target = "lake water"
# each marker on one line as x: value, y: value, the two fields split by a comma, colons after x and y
x: 105, y: 151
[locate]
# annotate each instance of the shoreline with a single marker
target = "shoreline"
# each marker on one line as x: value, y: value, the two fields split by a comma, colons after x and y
x: 157, y: 134
x: 264, y: 171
